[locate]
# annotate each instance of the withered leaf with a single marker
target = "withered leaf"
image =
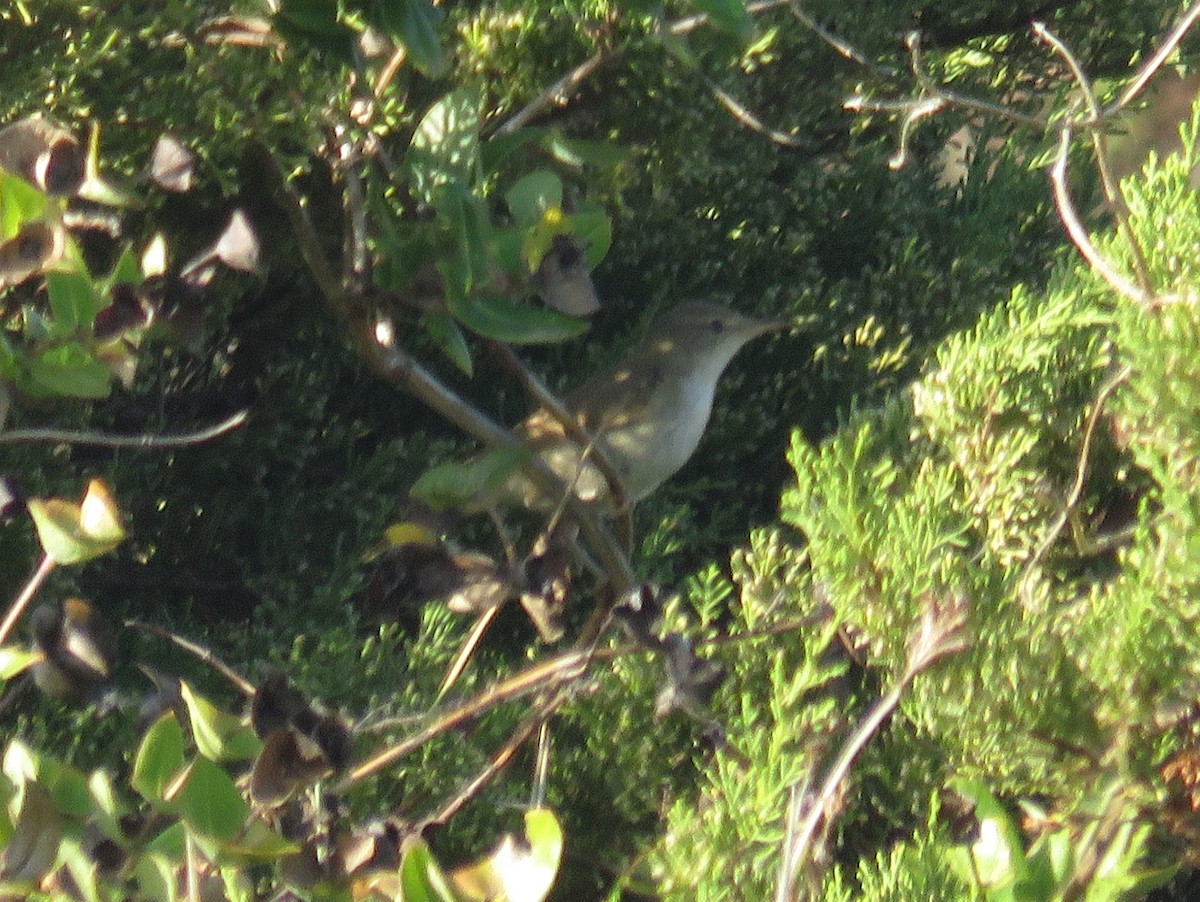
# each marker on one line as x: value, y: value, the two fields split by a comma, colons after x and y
x: 172, y: 165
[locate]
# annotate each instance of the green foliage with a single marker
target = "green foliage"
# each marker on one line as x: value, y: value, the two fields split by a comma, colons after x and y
x: 898, y: 499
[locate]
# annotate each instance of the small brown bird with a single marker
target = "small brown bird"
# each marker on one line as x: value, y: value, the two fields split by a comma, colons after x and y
x: 647, y: 413
x: 79, y: 648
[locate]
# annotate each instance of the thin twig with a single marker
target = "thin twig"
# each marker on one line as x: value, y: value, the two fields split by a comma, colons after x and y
x: 1112, y: 188
x: 842, y: 46
x: 206, y: 656
x: 21, y: 602
x: 558, y: 92
x: 744, y: 115
x: 533, y: 721
x: 913, y: 43
x: 939, y: 633
x: 1081, y: 466
x: 1070, y: 220
x: 1156, y: 60
x: 557, y: 671
x: 478, y: 630
x: 146, y: 441
x: 691, y: 23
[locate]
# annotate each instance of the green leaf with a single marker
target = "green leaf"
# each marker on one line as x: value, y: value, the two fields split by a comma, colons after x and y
x: 67, y: 787
x: 445, y: 146
x: 729, y: 15
x: 20, y: 202
x: 70, y: 370
x: 517, y: 871
x: 450, y: 339
x: 513, y: 321
x: 219, y: 735
x: 592, y: 227
x: 73, y: 299
x: 421, y: 878
x: 156, y: 877
x: 579, y: 152
x: 315, y: 22
x: 466, y: 219
x: 499, y: 147
x: 459, y: 484
x: 14, y: 660
x: 414, y: 23
x: 127, y: 269
x: 82, y: 868
x: 533, y: 195
x: 211, y: 804
x: 159, y: 758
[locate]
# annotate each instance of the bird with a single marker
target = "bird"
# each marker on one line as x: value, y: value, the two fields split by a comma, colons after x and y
x: 646, y: 414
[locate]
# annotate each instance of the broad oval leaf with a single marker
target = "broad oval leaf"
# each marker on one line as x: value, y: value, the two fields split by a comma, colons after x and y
x: 534, y: 194
x: 159, y: 758
x: 730, y: 15
x: 460, y: 484
x: 513, y: 321
x: 211, y: 804
x: 414, y: 23
x: 445, y: 146
x: 219, y: 735
x: 73, y: 299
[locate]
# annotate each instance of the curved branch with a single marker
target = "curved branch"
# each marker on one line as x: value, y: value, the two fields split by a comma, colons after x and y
x: 142, y: 442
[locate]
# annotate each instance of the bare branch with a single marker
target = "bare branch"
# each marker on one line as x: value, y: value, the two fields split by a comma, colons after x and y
x: 746, y: 117
x: 1156, y: 60
x: 1112, y: 188
x: 147, y: 441
x: 1079, y: 235
x: 1081, y: 465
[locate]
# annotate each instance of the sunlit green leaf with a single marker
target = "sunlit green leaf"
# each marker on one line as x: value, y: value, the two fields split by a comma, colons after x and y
x: 159, y: 758
x: 579, y: 152
x: 518, y: 871
x: 510, y: 320
x: 156, y: 877
x: 211, y: 803
x: 14, y: 660
x: 20, y: 202
x: 73, y: 298
x: 414, y: 23
x: 445, y: 145
x: 219, y: 735
x: 592, y: 227
x: 534, y: 194
x: 421, y: 879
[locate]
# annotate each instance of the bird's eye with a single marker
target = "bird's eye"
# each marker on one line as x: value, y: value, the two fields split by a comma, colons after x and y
x: 717, y: 326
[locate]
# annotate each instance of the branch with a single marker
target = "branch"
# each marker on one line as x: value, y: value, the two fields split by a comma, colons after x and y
x: 1112, y: 189
x: 1156, y: 61
x: 939, y: 633
x: 150, y: 442
x: 1079, y: 235
x: 375, y: 342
